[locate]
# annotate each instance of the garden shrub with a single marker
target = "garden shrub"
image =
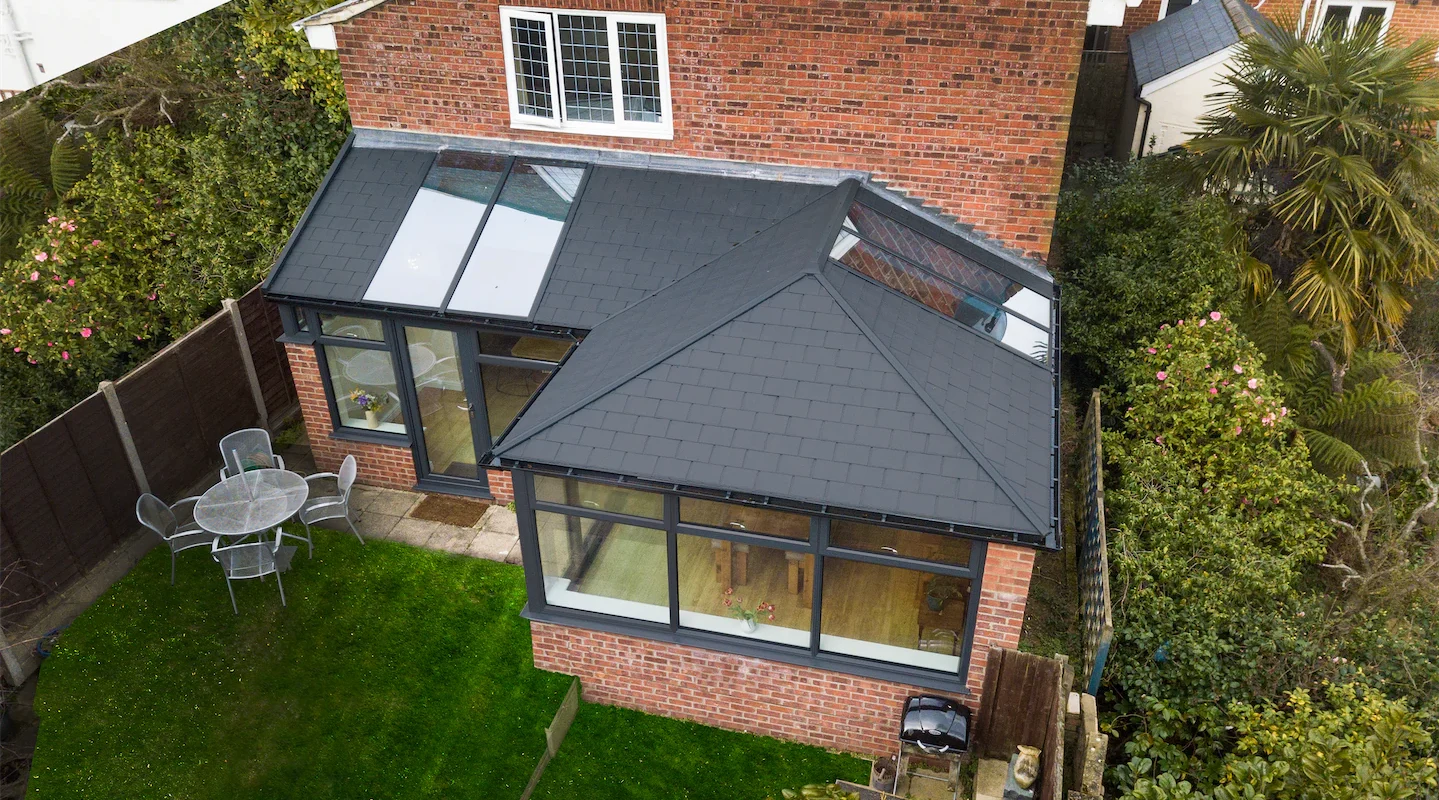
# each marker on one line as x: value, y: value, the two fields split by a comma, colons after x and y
x: 1216, y: 518
x: 1134, y: 250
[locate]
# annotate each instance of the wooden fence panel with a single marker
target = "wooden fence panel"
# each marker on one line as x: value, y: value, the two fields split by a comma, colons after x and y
x: 216, y: 385
x: 97, y: 442
x: 261, y: 320
x: 67, y: 490
x: 1024, y: 704
x: 40, y: 550
x: 19, y: 590
x: 172, y: 448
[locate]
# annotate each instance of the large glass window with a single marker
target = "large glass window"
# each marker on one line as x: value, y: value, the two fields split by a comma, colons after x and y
x: 899, y: 542
x: 364, y: 384
x: 604, y: 567
x: 507, y: 390
x: 533, y: 348
x: 748, y: 519
x: 347, y: 327
x: 886, y: 613
x: 572, y: 71
x: 599, y: 496
x: 745, y: 589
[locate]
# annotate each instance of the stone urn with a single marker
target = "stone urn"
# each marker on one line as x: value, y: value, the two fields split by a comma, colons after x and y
x: 881, y: 775
x: 1026, y: 766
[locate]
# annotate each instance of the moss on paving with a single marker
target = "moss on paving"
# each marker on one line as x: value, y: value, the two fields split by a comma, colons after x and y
x: 394, y: 672
x: 619, y: 753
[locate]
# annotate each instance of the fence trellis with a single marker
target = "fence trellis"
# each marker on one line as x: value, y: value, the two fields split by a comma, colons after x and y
x: 1096, y: 613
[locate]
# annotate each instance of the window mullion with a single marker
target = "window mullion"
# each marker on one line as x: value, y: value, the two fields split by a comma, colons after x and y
x: 557, y: 86
x: 819, y: 533
x: 612, y: 30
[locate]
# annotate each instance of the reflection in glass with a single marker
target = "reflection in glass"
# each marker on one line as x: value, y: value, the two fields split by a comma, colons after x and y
x: 444, y: 414
x: 507, y: 390
x: 600, y: 496
x: 419, y: 266
x: 899, y: 542
x: 753, y: 575
x: 352, y: 327
x: 892, y: 614
x: 599, y: 566
x: 353, y: 371
x: 504, y: 273
x: 536, y: 348
x: 749, y: 519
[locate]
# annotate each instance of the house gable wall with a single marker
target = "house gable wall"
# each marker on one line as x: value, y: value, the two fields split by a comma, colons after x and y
x: 965, y: 106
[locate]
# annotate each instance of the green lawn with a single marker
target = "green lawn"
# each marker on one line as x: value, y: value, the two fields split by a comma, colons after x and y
x: 393, y: 673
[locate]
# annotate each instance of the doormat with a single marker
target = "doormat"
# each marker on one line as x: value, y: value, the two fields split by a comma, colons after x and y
x: 450, y: 510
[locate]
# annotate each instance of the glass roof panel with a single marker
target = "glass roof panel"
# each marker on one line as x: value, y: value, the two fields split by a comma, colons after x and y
x: 509, y: 262
x: 419, y: 266
x: 909, y: 262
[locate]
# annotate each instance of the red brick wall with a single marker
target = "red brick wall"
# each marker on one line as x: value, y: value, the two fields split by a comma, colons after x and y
x: 1408, y: 23
x: 380, y: 465
x: 964, y: 105
x: 806, y: 704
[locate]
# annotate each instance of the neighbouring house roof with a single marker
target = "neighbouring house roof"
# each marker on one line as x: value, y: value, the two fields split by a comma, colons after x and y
x: 1189, y: 35
x: 808, y: 342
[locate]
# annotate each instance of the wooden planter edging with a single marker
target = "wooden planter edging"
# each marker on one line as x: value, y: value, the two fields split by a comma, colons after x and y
x: 555, y: 734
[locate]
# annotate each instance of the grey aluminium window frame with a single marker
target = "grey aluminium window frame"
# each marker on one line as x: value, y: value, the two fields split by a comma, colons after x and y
x: 539, y: 610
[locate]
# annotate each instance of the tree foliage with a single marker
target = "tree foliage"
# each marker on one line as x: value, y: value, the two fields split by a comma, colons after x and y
x: 1326, y: 146
x: 37, y: 167
x: 1134, y: 249
x: 281, y: 51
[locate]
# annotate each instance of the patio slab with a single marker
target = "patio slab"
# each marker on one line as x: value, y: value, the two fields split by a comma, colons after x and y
x: 375, y: 526
x: 415, y: 532
x: 491, y: 546
x: 392, y: 502
x: 453, y: 539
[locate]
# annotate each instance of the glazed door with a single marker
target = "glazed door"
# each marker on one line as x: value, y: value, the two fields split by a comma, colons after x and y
x: 451, y: 431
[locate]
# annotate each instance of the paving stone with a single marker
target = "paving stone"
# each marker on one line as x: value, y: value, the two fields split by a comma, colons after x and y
x: 375, y: 526
x: 514, y: 555
x: 492, y: 546
x: 417, y: 532
x: 453, y: 539
x: 499, y: 519
x: 393, y: 502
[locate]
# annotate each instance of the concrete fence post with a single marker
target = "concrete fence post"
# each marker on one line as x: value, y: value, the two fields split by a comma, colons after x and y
x: 249, y: 361
x: 127, y: 441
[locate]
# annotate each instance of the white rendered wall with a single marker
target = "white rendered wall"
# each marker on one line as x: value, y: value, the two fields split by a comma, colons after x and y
x: 43, y: 39
x: 1178, y: 105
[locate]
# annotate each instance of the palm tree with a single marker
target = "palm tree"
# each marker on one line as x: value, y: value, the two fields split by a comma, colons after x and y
x: 38, y: 165
x: 1326, y: 146
x: 1353, y: 414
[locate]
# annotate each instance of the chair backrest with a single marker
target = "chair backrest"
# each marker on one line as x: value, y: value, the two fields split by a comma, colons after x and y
x: 349, y: 468
x: 155, y: 515
x: 251, y: 446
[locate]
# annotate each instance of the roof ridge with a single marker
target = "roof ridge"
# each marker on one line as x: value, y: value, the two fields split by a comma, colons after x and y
x: 665, y: 355
x: 949, y: 424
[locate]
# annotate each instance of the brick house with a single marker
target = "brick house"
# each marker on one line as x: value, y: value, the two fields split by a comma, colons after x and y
x: 1177, y: 52
x: 743, y: 306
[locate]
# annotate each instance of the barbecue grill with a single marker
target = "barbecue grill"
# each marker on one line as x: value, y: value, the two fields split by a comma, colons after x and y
x: 936, y: 725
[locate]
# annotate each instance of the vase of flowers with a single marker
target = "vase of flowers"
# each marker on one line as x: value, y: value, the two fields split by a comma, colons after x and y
x: 748, y: 616
x: 371, y: 404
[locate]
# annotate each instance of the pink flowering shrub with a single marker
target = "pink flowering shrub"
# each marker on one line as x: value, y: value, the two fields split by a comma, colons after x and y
x: 1215, y: 516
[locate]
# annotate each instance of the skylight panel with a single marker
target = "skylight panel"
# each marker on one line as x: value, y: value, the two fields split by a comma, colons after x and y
x: 504, y: 273
x: 909, y: 262
x: 427, y: 249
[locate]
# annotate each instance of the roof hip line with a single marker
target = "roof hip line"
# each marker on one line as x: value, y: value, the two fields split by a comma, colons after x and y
x: 955, y: 430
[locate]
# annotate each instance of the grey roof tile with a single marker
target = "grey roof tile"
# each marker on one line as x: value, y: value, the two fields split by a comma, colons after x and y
x: 1180, y: 39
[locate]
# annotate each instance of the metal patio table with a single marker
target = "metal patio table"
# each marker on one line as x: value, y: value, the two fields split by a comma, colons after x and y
x: 252, y: 503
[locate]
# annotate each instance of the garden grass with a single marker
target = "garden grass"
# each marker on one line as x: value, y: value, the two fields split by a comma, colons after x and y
x: 618, y: 753
x: 394, y: 672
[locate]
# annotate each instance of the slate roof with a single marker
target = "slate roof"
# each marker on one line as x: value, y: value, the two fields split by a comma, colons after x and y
x: 337, y: 248
x: 768, y: 372
x: 638, y: 230
x: 1190, y: 34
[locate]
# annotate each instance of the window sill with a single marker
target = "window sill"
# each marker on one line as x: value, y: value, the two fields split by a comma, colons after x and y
x: 371, y: 436
x: 752, y: 648
x: 665, y: 132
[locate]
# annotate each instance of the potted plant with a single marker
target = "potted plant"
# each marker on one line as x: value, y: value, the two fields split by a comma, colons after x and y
x: 941, y: 589
x: 747, y: 616
x: 371, y: 404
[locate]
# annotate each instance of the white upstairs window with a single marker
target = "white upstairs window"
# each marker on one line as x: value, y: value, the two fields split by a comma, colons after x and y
x: 603, y: 73
x: 1345, y: 16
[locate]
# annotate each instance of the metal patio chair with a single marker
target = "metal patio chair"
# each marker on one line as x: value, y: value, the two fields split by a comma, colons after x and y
x: 248, y: 560
x: 325, y: 506
x: 177, y: 535
x: 248, y: 449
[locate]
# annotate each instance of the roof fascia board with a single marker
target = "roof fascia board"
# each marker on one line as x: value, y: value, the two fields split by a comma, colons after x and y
x: 305, y: 217
x: 1180, y: 74
x: 339, y: 12
x: 949, y: 424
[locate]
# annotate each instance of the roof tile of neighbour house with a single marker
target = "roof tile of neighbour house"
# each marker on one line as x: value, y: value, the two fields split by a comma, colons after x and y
x: 1181, y: 39
x: 729, y: 351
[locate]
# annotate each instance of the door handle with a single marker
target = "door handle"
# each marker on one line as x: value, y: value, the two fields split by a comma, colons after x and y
x: 466, y: 408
